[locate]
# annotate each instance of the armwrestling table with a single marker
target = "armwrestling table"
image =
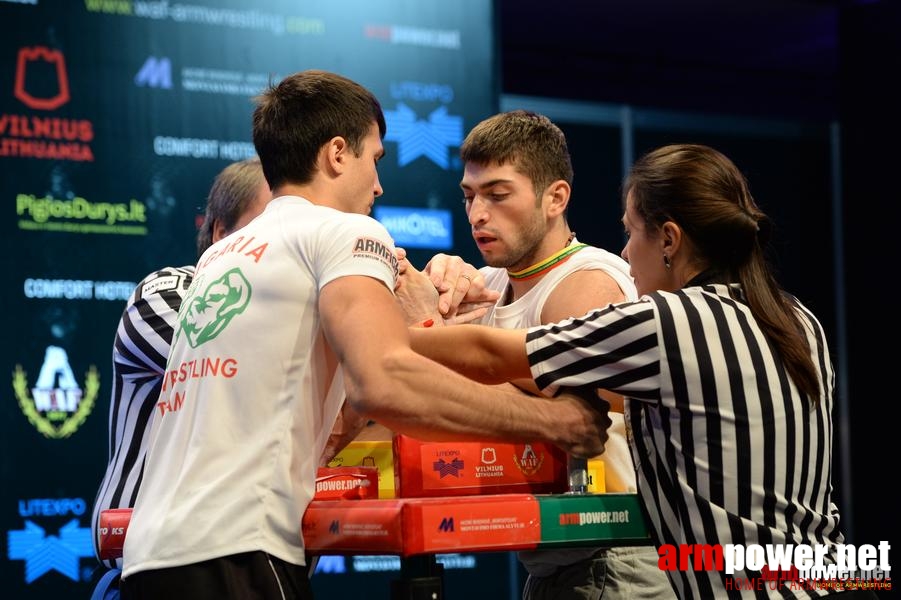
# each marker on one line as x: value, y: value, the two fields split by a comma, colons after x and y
x: 416, y: 529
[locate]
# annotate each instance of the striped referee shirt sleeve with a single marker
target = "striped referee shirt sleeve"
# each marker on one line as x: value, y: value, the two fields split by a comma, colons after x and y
x: 613, y: 348
x: 140, y: 349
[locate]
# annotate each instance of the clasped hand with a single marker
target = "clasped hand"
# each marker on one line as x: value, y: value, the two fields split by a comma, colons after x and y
x: 448, y: 287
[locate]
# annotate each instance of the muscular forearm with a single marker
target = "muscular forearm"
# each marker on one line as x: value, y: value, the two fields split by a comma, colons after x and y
x: 482, y: 353
x: 432, y: 403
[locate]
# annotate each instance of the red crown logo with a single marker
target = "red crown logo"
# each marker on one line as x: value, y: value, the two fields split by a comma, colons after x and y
x: 54, y: 57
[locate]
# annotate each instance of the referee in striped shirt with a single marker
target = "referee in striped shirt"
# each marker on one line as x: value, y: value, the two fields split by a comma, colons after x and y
x: 141, y: 346
x: 728, y: 379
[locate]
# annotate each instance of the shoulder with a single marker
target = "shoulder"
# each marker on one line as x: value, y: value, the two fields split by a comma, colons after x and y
x: 597, y: 253
x: 335, y: 223
x: 352, y: 244
x: 367, y: 224
x: 322, y: 217
x: 805, y: 314
x: 592, y: 258
x: 581, y: 291
x: 163, y: 281
x: 324, y: 233
x: 687, y: 294
x: 362, y: 235
x: 699, y: 300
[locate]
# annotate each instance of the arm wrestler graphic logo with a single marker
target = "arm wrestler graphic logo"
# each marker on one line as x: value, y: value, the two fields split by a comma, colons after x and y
x: 211, y: 312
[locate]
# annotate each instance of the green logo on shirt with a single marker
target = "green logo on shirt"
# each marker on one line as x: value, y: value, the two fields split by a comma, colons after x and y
x: 209, y: 313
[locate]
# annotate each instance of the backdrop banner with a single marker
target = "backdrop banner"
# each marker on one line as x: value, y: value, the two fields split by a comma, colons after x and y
x: 115, y: 116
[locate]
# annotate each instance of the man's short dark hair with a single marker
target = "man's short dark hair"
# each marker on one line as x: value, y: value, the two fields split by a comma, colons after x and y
x: 294, y: 118
x: 529, y: 141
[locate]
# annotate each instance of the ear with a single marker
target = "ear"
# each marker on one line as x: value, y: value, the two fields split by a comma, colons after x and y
x: 334, y: 154
x: 671, y: 238
x: 218, y: 230
x: 558, y: 192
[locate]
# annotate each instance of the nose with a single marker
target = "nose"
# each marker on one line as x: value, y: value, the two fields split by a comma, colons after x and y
x: 625, y: 253
x: 477, y: 211
x: 377, y: 190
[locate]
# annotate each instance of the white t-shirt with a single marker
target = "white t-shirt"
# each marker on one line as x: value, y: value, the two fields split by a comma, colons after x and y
x: 619, y: 473
x: 251, y: 389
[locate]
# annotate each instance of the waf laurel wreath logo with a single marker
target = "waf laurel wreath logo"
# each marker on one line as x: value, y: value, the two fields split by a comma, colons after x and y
x: 56, y: 405
x: 529, y: 462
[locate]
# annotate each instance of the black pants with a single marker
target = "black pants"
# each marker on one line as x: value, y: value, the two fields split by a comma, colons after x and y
x: 248, y: 576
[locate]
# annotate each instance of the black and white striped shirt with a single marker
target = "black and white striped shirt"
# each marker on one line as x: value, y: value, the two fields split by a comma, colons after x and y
x: 140, y: 350
x: 727, y: 450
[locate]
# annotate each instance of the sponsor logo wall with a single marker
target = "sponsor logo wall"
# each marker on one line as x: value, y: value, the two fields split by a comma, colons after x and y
x: 115, y: 116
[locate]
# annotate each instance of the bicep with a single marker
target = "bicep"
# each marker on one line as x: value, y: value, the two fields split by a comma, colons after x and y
x: 580, y: 293
x: 361, y: 319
